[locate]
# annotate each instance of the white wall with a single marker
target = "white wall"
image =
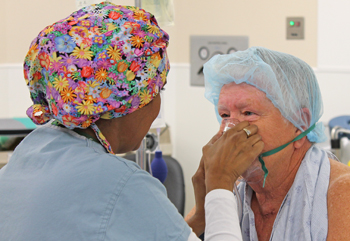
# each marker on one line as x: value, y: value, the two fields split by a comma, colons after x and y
x: 335, y: 87
x: 333, y: 35
x: 14, y: 94
x: 333, y: 69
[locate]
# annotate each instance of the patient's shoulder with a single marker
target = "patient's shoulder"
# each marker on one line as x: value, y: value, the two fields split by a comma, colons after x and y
x: 339, y: 183
x: 338, y: 201
x: 339, y: 176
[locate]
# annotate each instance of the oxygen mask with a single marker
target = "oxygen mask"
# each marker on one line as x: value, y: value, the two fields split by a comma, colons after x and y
x: 254, y: 173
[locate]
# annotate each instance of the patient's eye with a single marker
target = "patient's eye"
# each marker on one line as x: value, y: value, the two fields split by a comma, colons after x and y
x: 248, y: 113
x: 224, y: 115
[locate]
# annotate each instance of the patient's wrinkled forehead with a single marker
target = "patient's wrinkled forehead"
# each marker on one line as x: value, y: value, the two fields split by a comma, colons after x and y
x: 242, y: 92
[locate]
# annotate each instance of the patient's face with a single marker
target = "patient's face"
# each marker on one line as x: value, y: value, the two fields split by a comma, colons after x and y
x: 246, y: 103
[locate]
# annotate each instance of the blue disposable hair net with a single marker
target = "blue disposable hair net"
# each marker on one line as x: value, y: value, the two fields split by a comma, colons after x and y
x: 288, y: 82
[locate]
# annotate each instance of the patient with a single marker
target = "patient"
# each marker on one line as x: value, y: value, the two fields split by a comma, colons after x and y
x: 305, y: 195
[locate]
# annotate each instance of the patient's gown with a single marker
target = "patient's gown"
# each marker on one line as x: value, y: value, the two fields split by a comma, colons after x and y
x: 303, y: 213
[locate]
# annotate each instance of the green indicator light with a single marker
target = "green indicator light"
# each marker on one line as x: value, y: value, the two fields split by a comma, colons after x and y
x: 291, y: 23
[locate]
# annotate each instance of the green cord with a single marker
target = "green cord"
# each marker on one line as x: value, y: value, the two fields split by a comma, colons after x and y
x: 271, y: 152
x: 263, y: 167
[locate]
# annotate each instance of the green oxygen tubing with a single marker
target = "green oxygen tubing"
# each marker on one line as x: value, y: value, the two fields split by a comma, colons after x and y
x: 273, y: 151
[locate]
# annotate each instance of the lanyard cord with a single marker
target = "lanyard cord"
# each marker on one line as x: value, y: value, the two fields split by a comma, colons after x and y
x: 273, y: 151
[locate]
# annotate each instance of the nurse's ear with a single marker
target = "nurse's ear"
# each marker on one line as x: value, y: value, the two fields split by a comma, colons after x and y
x: 306, y: 116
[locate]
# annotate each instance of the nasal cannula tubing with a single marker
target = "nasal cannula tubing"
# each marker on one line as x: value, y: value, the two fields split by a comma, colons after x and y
x: 229, y: 123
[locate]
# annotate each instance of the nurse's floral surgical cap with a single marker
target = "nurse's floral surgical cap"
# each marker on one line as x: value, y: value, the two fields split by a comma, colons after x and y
x: 103, y: 61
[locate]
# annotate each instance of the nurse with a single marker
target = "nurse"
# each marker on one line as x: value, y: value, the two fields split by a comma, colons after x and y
x: 94, y: 79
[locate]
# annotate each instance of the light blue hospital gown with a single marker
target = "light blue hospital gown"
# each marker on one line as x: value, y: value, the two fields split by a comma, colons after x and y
x: 303, y: 213
x: 61, y: 186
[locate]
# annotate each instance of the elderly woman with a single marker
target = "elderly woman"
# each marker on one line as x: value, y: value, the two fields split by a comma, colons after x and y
x: 97, y: 75
x: 294, y: 190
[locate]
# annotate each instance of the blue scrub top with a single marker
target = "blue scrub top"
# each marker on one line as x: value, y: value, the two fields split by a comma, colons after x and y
x: 59, y: 185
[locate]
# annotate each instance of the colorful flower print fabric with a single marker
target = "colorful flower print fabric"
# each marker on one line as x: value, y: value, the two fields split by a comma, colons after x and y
x: 103, y: 61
